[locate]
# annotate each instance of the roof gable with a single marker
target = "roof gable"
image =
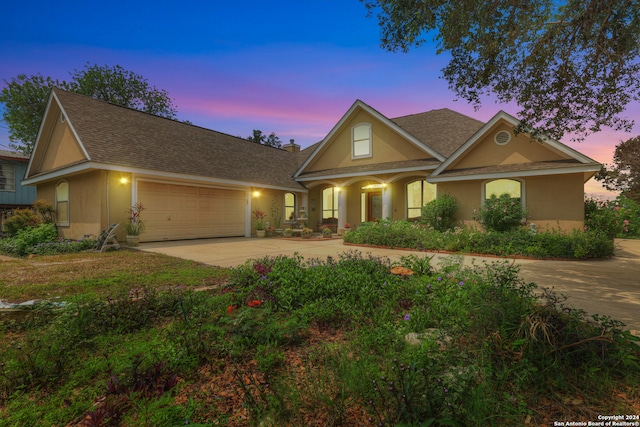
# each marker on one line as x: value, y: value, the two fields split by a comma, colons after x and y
x: 384, y: 132
x: 481, y: 154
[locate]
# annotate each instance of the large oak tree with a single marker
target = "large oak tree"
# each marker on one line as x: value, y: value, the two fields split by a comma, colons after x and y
x: 624, y: 174
x: 571, y: 65
x: 25, y: 98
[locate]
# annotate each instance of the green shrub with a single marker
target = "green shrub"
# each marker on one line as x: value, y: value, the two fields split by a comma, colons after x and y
x: 616, y: 218
x: 438, y: 213
x: 503, y: 213
x: 28, y: 238
x: 20, y: 220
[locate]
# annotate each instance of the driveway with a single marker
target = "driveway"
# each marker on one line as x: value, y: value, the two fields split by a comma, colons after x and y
x: 606, y: 287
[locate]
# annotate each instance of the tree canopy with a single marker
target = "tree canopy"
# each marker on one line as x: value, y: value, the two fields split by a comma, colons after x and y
x: 571, y: 65
x: 25, y: 98
x: 259, y: 138
x: 624, y: 174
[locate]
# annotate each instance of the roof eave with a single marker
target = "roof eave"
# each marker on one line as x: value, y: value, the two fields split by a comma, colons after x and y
x: 517, y: 174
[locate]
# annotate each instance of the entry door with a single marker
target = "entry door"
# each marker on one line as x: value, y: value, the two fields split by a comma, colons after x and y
x: 374, y: 205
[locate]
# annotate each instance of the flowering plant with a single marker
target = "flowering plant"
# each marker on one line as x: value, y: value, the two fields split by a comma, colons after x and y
x: 260, y: 222
x: 347, y: 225
x: 135, y: 226
x: 326, y: 230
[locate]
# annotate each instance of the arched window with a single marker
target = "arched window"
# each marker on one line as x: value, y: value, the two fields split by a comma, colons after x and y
x: 499, y: 187
x: 289, y: 206
x: 361, y: 141
x: 62, y: 203
x: 419, y: 193
x: 330, y: 203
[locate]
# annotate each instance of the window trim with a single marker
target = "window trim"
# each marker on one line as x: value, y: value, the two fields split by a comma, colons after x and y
x: 67, y: 220
x: 422, y: 181
x: 10, y: 167
x: 353, y: 141
x: 284, y: 199
x: 523, y: 192
x: 334, y: 203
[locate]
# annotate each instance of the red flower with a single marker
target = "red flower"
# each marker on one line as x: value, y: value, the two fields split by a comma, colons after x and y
x: 231, y: 308
x: 254, y: 303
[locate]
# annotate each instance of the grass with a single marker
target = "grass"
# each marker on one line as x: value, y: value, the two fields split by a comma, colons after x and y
x: 284, y: 341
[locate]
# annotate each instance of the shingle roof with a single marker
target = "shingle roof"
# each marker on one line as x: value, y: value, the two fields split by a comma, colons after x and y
x: 13, y: 155
x: 125, y: 137
x: 514, y: 167
x: 426, y: 164
x: 443, y: 130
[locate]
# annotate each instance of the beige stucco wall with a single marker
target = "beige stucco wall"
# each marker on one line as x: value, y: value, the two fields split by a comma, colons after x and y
x: 521, y: 149
x: 387, y: 146
x: 271, y: 202
x: 61, y: 147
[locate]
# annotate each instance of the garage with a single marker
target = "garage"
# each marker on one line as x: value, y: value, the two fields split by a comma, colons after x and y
x: 176, y: 212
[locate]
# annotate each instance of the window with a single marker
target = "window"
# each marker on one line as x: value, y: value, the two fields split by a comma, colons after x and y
x: 330, y: 203
x: 361, y: 141
x: 62, y: 203
x: 7, y: 177
x: 499, y: 187
x: 289, y: 206
x: 419, y: 193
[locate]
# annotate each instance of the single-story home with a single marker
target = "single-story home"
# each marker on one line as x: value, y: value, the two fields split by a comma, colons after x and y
x: 94, y: 160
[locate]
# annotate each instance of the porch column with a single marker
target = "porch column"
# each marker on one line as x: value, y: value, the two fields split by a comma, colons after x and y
x: 342, y: 207
x: 387, y: 211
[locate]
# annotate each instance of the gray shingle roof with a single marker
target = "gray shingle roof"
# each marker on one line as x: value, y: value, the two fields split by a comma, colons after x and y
x: 13, y: 155
x: 125, y: 137
x: 443, y: 130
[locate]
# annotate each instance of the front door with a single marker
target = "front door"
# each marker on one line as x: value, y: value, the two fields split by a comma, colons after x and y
x: 374, y: 205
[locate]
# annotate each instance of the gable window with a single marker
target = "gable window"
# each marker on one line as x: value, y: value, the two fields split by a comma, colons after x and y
x: 330, y: 203
x: 419, y: 193
x: 7, y: 177
x: 62, y: 203
x: 361, y: 141
x: 290, y: 206
x: 499, y: 187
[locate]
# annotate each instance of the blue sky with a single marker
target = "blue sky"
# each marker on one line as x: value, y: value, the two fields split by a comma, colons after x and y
x: 289, y: 67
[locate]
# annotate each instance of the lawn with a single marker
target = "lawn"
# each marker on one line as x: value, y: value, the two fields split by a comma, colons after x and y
x: 149, y: 340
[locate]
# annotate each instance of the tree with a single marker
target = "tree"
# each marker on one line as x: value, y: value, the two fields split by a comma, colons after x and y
x: 624, y: 174
x: 25, y: 98
x: 571, y: 65
x: 259, y: 138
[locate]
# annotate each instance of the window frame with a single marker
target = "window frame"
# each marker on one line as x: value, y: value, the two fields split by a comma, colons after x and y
x: 8, y: 172
x: 334, y: 203
x: 355, y: 141
x: 291, y: 208
x: 523, y: 193
x: 62, y: 222
x: 422, y: 198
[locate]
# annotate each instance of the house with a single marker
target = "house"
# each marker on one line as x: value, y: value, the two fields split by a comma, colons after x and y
x: 12, y: 194
x: 94, y: 160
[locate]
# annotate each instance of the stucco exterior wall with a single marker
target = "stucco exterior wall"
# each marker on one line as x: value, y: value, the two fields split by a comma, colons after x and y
x: 62, y: 149
x: 521, y: 149
x: 387, y: 146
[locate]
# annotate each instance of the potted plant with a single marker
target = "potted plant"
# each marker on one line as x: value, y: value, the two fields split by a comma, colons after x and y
x: 135, y: 226
x: 260, y: 223
x: 269, y: 230
x: 306, y: 233
x: 326, y: 231
x: 288, y: 232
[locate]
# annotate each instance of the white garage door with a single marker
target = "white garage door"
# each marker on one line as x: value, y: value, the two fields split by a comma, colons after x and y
x: 176, y: 212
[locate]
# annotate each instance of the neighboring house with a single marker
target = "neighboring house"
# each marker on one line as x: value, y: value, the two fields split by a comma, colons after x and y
x: 13, y: 195
x: 93, y: 160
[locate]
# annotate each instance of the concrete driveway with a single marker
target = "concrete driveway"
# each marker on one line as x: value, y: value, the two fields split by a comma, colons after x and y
x: 607, y: 287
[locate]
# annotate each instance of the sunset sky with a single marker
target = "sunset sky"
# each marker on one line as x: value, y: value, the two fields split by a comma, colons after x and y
x: 289, y: 67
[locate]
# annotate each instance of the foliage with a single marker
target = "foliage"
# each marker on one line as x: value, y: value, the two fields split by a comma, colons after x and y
x: 617, y: 218
x: 27, y: 239
x: 295, y: 342
x: 135, y: 226
x: 260, y: 219
x: 42, y: 212
x: 572, y: 66
x: 25, y: 98
x: 624, y: 174
x: 575, y: 244
x: 439, y: 213
x: 270, y: 141
x: 503, y: 213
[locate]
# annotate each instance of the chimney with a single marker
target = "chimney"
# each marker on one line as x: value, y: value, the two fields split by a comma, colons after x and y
x: 291, y: 147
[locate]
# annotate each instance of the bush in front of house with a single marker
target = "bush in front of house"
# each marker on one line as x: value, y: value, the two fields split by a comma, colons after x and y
x: 575, y: 244
x: 41, y: 213
x: 438, y: 213
x: 501, y: 213
x: 41, y: 240
x: 617, y: 218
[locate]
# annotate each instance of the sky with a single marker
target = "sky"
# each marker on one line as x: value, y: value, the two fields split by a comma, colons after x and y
x: 289, y: 67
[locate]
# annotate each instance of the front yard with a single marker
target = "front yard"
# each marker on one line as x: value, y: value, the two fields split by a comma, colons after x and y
x: 148, y: 340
